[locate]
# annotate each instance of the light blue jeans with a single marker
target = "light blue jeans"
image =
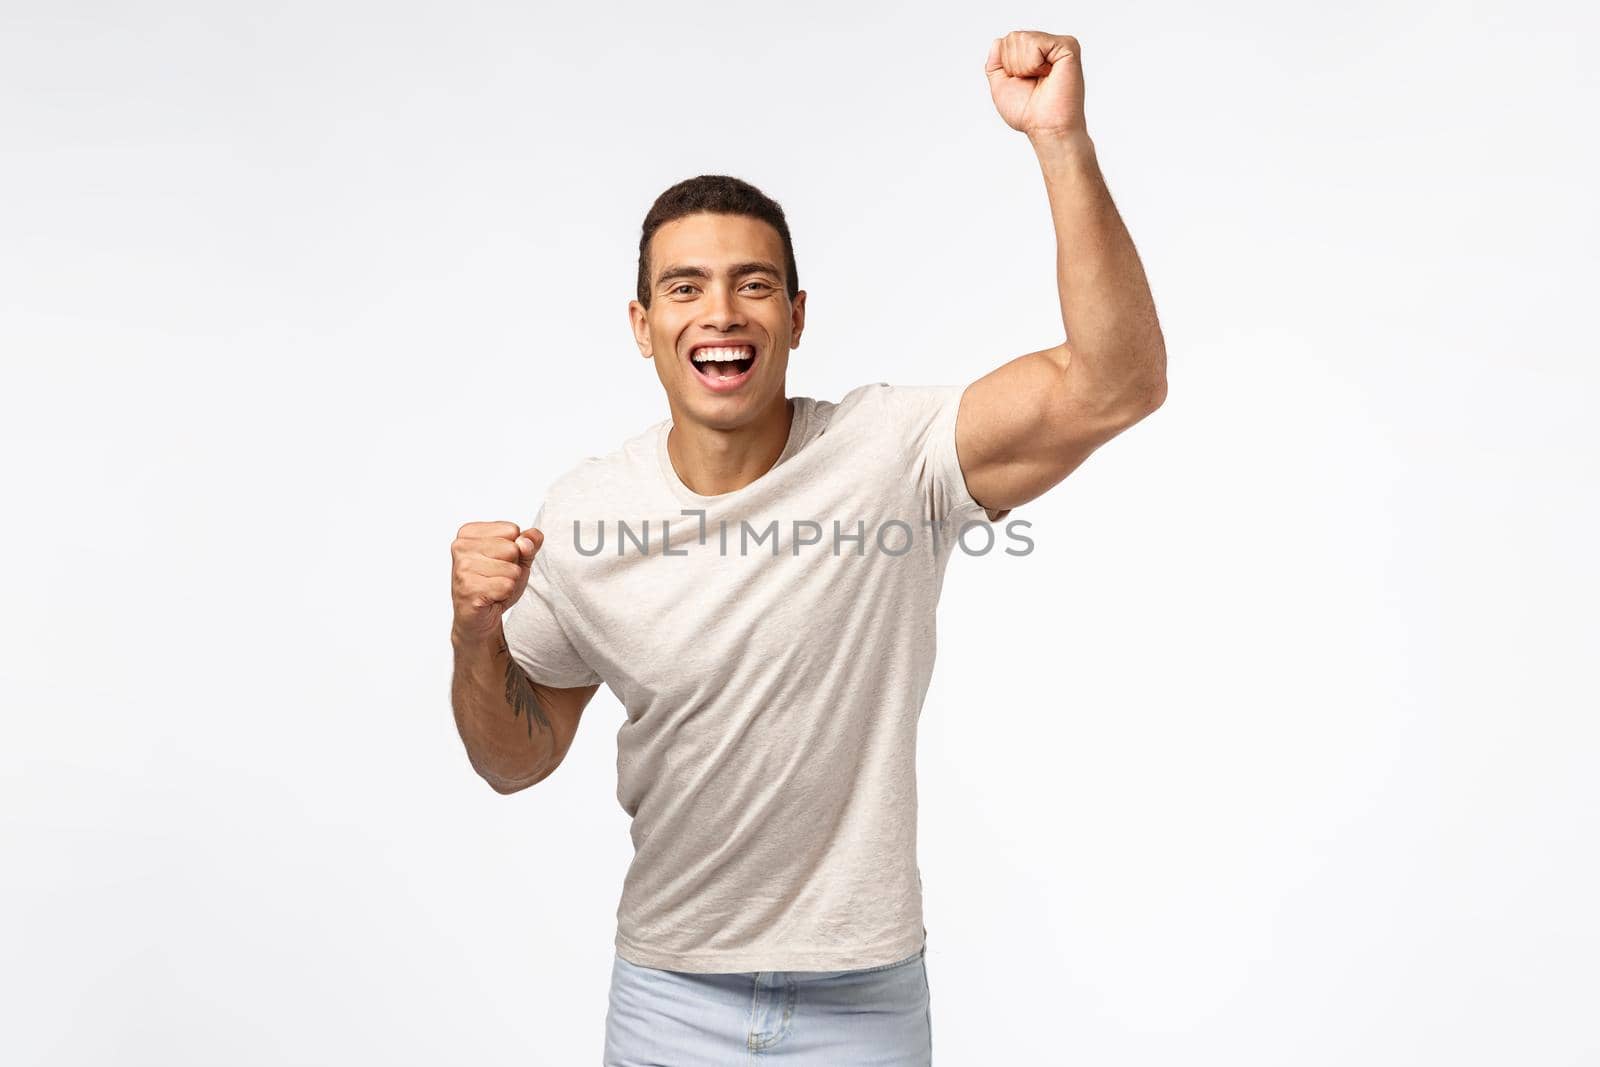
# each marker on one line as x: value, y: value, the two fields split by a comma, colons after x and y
x: 876, y: 1017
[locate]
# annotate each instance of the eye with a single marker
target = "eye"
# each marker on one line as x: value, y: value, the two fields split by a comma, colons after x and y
x: 763, y: 285
x: 675, y: 288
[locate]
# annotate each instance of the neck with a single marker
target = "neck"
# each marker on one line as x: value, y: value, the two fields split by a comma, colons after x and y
x: 711, y: 461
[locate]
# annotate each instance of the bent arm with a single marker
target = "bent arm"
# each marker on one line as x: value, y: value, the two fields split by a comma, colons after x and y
x: 516, y: 731
x: 1026, y: 425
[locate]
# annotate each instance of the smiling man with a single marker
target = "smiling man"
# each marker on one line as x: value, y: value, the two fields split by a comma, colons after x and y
x: 755, y: 578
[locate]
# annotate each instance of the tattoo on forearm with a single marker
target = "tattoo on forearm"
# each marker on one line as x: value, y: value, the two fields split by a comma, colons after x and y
x: 522, y: 698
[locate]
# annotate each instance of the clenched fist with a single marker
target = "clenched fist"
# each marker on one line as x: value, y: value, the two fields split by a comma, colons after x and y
x: 488, y: 572
x: 1036, y: 80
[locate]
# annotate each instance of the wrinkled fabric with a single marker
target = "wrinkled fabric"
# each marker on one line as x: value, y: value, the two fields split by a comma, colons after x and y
x: 772, y: 684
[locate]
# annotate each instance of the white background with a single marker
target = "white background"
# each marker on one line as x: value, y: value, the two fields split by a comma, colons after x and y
x: 1280, y: 748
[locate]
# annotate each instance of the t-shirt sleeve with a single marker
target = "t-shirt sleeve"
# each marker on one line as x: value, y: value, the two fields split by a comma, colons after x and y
x: 535, y: 636
x: 924, y: 419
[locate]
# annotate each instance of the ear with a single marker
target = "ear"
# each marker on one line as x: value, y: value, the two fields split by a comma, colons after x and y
x: 797, y: 318
x: 639, y: 322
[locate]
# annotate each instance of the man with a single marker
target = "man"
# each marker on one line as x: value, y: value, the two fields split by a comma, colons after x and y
x: 774, y: 904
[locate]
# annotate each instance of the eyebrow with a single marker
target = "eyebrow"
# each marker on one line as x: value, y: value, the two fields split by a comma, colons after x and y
x: 684, y: 270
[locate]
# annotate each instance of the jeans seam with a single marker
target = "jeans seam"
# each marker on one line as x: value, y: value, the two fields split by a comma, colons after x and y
x: 927, y: 1003
x: 886, y: 966
x: 760, y: 1042
x: 750, y: 1040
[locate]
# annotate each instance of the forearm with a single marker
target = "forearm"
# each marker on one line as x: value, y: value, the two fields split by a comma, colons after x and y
x: 1106, y: 306
x: 506, y: 730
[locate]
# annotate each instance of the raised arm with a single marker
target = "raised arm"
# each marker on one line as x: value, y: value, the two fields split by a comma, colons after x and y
x: 1032, y: 421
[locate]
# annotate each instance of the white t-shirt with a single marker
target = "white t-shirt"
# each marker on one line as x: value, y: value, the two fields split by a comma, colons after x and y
x: 773, y: 658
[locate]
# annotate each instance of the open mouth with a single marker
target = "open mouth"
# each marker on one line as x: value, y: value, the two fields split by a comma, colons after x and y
x: 723, y: 366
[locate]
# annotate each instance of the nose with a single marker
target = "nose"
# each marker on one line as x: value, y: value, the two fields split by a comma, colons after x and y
x: 721, y: 310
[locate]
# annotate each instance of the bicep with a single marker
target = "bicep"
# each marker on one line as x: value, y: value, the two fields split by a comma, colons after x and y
x: 1026, y: 425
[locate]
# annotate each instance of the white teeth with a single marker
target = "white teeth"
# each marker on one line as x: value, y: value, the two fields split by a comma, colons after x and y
x: 723, y: 355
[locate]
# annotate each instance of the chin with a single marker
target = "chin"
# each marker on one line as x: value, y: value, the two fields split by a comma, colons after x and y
x: 727, y: 412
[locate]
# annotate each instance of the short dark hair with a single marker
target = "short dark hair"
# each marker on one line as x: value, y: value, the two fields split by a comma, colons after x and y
x: 716, y: 194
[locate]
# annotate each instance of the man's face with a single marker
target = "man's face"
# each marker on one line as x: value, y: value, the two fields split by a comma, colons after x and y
x: 717, y: 280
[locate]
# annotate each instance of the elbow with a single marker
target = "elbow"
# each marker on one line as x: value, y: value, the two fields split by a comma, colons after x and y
x: 1117, y: 400
x: 1145, y: 391
x: 1152, y: 390
x: 1132, y: 403
x: 506, y: 786
x: 1158, y: 375
x: 1154, y: 394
